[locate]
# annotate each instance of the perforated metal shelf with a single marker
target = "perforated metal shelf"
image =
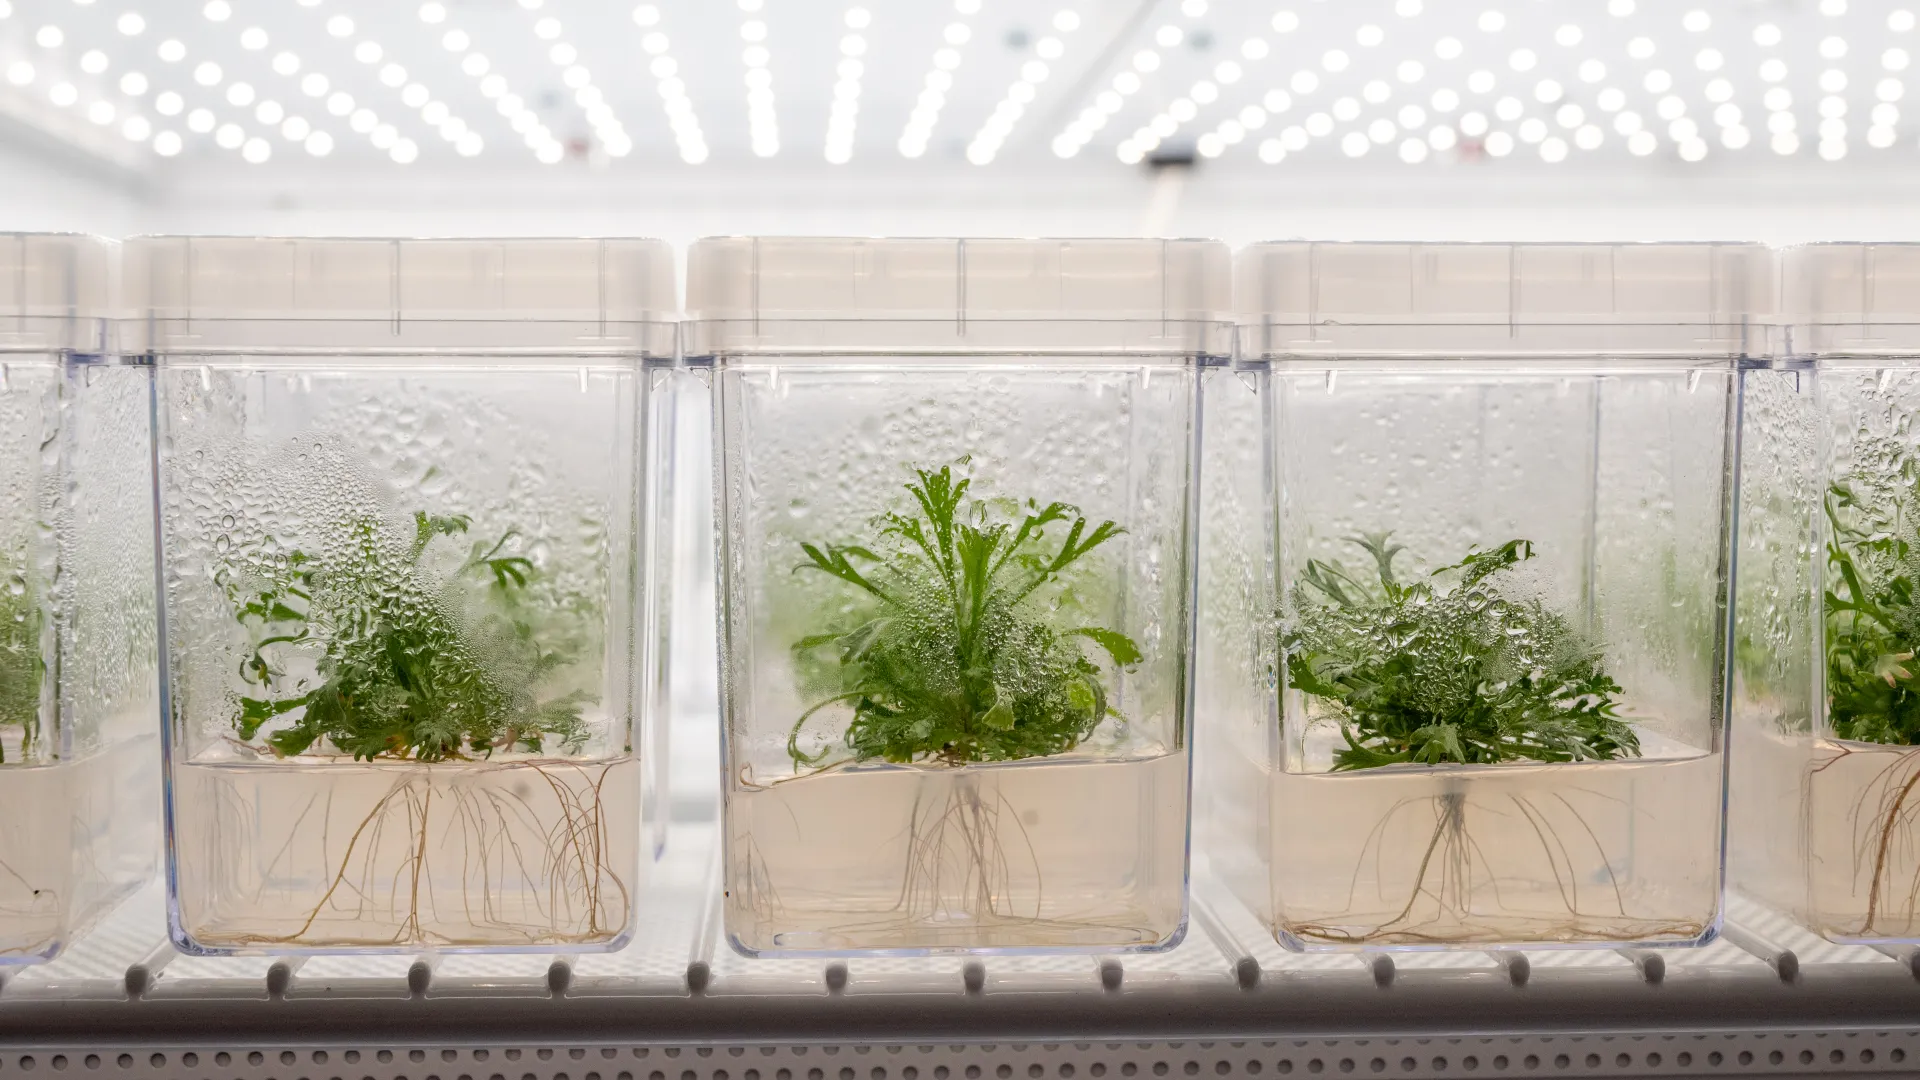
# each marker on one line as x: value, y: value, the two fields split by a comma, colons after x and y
x: 676, y: 1004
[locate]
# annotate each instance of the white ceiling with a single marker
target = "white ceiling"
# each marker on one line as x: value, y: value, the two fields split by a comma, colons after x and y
x: 687, y: 85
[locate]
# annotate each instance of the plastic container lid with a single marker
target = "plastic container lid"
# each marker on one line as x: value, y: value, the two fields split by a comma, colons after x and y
x: 1852, y: 298
x: 55, y: 291
x: 1388, y: 299
x: 847, y: 295
x: 212, y: 294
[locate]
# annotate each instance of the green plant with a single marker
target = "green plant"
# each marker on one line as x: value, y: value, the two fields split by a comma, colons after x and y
x: 407, y: 669
x: 1873, y: 694
x: 423, y: 648
x: 1872, y: 622
x: 21, y: 665
x: 1420, y: 672
x: 947, y: 653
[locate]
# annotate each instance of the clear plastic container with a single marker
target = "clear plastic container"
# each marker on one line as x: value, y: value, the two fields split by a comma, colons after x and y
x: 953, y: 494
x: 79, y: 714
x: 1464, y: 590
x: 401, y: 503
x: 1826, y: 761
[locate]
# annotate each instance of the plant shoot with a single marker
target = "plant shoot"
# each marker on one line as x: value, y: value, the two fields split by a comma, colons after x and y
x: 1873, y: 694
x: 1422, y: 677
x: 21, y: 667
x: 949, y: 656
x: 451, y: 659
x: 953, y: 638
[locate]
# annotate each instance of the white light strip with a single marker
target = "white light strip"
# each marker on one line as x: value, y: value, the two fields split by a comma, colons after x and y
x: 524, y: 121
x: 763, y: 126
x: 1669, y: 109
x: 846, y: 90
x: 1149, y: 136
x: 673, y: 92
x: 993, y: 134
x: 1128, y: 83
x: 939, y: 80
x: 1682, y: 130
x: 1833, y: 84
x: 1890, y: 88
x: 1833, y: 106
x: 608, y: 131
x: 1180, y: 110
x: 415, y: 95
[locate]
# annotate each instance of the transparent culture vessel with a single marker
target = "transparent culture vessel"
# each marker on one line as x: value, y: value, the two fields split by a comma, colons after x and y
x: 955, y: 520
x: 1826, y: 761
x: 402, y: 507
x: 1464, y: 590
x: 79, y: 712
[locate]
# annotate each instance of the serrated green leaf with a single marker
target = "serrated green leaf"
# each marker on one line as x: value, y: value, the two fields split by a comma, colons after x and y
x: 1448, y: 669
x: 947, y: 654
x: 1117, y: 645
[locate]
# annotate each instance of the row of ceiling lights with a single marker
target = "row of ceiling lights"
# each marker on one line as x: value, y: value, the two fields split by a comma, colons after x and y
x: 131, y: 118
x: 609, y: 132
x: 209, y: 80
x: 493, y: 86
x: 687, y: 136
x: 1126, y: 83
x: 993, y: 134
x: 1580, y: 130
x: 938, y: 80
x: 844, y: 114
x: 210, y: 77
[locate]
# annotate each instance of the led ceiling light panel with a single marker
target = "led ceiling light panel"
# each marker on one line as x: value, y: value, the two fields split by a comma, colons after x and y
x: 1306, y: 83
x: 1418, y: 83
x: 70, y: 89
x: 287, y: 66
x: 194, y: 86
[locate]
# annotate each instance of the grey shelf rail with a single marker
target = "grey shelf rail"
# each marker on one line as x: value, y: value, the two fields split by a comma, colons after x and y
x: 678, y: 1004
